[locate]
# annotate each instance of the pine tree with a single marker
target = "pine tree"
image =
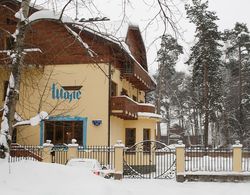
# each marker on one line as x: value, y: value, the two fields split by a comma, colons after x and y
x: 167, y: 58
x: 237, y: 42
x: 206, y: 61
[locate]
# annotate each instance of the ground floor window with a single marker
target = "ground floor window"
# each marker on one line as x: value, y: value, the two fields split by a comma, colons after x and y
x: 130, y: 137
x: 62, y: 132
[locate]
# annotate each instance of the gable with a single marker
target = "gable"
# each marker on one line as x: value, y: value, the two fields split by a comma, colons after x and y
x: 136, y: 45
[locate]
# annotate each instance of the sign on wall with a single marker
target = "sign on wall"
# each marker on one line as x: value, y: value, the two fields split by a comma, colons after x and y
x: 69, y: 93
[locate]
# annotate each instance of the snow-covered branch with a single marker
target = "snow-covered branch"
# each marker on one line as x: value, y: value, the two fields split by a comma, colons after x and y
x: 34, y: 120
x: 78, y: 37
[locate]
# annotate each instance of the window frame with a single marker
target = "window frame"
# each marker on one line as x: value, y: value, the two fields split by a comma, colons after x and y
x: 63, y: 132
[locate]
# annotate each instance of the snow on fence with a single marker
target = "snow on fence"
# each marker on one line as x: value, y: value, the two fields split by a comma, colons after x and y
x: 246, y: 159
x: 104, y: 154
x: 18, y: 153
x: 208, y: 159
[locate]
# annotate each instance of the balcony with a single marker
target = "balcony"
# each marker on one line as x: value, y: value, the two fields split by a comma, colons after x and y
x: 127, y: 109
x: 138, y: 77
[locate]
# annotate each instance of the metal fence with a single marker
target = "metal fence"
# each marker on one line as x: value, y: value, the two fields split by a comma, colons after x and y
x: 149, y: 160
x: 246, y: 159
x: 59, y: 154
x: 208, y: 159
x: 18, y: 153
x: 104, y: 154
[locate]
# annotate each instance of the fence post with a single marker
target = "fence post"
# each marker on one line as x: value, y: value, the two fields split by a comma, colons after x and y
x: 237, y: 157
x: 119, y: 148
x: 47, y: 148
x: 72, y: 150
x: 180, y: 161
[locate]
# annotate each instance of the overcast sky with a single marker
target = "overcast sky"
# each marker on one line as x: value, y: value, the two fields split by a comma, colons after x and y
x: 229, y: 12
x: 141, y: 11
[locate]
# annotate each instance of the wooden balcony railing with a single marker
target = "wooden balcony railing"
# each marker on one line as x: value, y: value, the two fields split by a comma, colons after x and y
x: 139, y: 77
x: 127, y: 109
x: 146, y: 108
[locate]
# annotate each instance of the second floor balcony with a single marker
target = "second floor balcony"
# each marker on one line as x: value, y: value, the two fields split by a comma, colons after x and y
x: 138, y: 76
x: 127, y: 109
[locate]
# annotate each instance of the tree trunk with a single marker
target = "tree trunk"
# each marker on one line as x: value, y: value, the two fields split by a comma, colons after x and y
x: 17, y: 64
x: 225, y: 128
x: 206, y: 106
x: 241, y: 126
x: 158, y: 109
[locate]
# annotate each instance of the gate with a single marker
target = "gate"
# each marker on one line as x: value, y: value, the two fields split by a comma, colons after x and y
x: 59, y: 154
x: 149, y: 160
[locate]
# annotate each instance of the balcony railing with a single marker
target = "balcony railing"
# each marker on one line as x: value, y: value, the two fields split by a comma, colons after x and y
x: 127, y: 109
x: 139, y: 77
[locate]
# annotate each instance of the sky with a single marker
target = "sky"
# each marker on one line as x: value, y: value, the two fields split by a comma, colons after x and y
x: 140, y: 12
x: 228, y: 11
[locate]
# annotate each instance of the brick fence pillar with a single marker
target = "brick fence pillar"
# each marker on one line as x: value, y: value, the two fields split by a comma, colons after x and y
x: 237, y: 157
x: 180, y: 161
x: 119, y: 149
x: 47, y: 148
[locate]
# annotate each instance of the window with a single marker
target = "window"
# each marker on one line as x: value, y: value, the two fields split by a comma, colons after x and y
x: 5, y: 88
x: 128, y: 67
x: 130, y: 137
x: 62, y: 132
x: 113, y: 89
x: 124, y: 92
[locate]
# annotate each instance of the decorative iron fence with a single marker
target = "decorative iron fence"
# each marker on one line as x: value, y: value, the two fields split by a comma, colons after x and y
x: 59, y: 154
x: 18, y: 153
x: 149, y: 160
x: 208, y: 159
x: 104, y: 154
x: 246, y: 159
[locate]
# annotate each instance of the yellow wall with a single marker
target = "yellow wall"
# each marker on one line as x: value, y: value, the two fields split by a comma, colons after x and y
x: 35, y: 95
x: 117, y: 130
x: 141, y: 124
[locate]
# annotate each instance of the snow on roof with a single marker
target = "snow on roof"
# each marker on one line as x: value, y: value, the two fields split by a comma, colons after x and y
x: 114, y: 31
x: 33, y: 5
x: 48, y: 14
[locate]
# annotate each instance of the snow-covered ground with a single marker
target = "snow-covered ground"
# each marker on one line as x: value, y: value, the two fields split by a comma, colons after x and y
x: 35, y: 178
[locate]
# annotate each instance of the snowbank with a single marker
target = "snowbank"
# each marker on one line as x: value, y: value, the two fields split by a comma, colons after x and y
x: 29, y: 178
